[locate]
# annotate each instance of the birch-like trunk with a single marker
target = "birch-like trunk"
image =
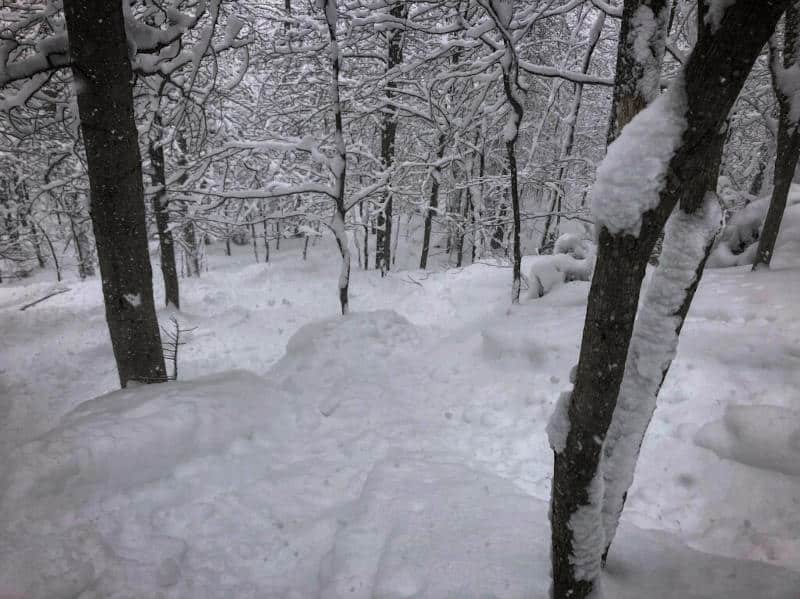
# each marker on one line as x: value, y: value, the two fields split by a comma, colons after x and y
x: 339, y: 166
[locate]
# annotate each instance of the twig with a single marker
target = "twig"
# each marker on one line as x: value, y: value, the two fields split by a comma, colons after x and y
x: 48, y: 296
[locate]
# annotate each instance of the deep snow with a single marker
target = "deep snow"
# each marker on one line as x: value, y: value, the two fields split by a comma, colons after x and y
x: 396, y: 452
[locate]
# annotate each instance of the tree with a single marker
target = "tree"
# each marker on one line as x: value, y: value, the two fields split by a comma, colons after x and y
x: 630, y: 218
x: 102, y: 72
x: 339, y: 163
x: 788, y: 152
x: 394, y: 58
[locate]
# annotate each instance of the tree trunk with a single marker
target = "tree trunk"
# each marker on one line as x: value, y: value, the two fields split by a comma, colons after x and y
x: 758, y: 180
x: 636, y: 88
x: 724, y: 57
x: 339, y: 166
x: 687, y: 243
x: 394, y: 39
x: 102, y: 71
x: 433, y: 203
x: 160, y: 204
x: 788, y: 150
x: 189, y: 235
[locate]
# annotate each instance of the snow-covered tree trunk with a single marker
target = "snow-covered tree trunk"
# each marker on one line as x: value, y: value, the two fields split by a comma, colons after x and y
x: 433, y: 202
x: 160, y: 204
x: 502, y: 12
x: 786, y: 82
x: 667, y: 146
x: 102, y: 71
x: 686, y: 245
x: 394, y: 39
x: 339, y: 163
x: 640, y: 51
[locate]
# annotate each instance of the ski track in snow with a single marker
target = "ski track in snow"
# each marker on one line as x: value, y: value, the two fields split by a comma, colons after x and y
x: 396, y: 452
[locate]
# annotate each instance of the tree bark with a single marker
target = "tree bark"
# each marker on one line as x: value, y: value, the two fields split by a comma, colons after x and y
x: 160, y: 205
x: 394, y: 39
x: 433, y: 203
x: 637, y: 87
x: 102, y: 71
x: 339, y: 166
x: 788, y: 151
x: 681, y: 271
x: 724, y: 57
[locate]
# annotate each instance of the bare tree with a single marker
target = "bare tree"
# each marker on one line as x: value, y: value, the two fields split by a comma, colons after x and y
x: 788, y: 134
x: 725, y: 57
x: 102, y: 71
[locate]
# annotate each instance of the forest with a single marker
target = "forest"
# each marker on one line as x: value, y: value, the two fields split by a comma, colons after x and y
x: 383, y: 299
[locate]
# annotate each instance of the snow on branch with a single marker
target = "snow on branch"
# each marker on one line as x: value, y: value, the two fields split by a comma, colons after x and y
x: 632, y: 175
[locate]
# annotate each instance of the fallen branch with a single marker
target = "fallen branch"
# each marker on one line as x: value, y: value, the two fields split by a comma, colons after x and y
x: 48, y: 296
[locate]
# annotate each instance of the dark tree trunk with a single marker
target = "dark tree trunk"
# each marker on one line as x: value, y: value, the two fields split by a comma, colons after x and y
x: 394, y: 39
x: 630, y: 96
x: 724, y: 57
x: 37, y: 246
x: 433, y: 203
x: 53, y: 253
x: 266, y: 243
x: 254, y: 241
x: 510, y: 86
x: 758, y: 181
x: 160, y: 204
x: 626, y: 432
x: 102, y: 71
x: 788, y: 150
x: 191, y: 251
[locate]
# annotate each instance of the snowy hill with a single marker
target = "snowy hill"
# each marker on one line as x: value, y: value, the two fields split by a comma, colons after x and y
x: 396, y: 452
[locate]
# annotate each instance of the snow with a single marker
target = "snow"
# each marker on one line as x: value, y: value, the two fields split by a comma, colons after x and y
x: 398, y: 451
x: 631, y: 176
x: 559, y: 424
x: 548, y: 272
x: 738, y: 243
x: 648, y: 35
x: 588, y: 538
x: 653, y: 346
x: 134, y: 299
x: 761, y: 436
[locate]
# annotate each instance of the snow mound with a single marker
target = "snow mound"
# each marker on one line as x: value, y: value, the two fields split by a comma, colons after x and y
x: 765, y: 437
x: 430, y: 530
x: 738, y: 243
x: 383, y: 328
x: 548, y: 272
x: 137, y: 435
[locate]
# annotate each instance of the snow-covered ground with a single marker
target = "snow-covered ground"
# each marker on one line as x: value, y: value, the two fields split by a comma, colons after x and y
x: 396, y: 452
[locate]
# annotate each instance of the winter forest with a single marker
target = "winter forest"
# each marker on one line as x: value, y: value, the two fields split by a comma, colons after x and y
x: 383, y: 299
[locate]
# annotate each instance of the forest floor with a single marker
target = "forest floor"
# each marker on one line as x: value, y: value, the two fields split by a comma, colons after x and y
x: 396, y: 452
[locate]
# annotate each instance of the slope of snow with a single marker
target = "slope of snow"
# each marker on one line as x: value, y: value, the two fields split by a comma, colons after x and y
x: 761, y: 436
x: 301, y: 450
